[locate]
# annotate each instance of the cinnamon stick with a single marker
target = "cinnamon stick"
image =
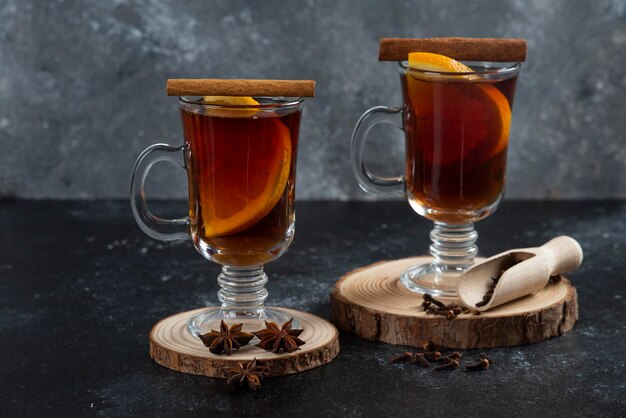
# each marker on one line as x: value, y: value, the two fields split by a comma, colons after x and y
x: 462, y: 49
x: 225, y: 87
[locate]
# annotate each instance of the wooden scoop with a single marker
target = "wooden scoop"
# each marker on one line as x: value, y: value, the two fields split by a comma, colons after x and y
x: 526, y: 271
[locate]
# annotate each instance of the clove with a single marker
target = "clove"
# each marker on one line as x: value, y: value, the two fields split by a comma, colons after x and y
x: 433, y: 306
x: 448, y: 362
x: 432, y: 355
x: 428, y: 298
x: 449, y: 365
x: 483, y: 364
x: 454, y: 356
x: 484, y: 356
x: 406, y: 356
x: 420, y: 360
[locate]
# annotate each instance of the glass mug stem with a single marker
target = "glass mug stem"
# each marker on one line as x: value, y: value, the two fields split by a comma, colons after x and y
x: 242, y: 289
x: 453, y: 246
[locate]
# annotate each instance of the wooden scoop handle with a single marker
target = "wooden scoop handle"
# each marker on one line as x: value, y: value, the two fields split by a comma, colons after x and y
x: 562, y: 254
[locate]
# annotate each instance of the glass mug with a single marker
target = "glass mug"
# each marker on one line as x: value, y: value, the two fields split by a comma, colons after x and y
x: 241, y: 166
x: 456, y: 128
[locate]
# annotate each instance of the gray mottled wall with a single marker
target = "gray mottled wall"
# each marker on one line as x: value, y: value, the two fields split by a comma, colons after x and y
x: 82, y: 86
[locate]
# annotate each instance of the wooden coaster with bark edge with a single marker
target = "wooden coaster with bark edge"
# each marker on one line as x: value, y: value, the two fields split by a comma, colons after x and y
x: 372, y: 303
x: 172, y: 346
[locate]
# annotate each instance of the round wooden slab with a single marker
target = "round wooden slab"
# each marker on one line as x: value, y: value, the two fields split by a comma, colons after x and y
x: 172, y: 346
x: 372, y: 303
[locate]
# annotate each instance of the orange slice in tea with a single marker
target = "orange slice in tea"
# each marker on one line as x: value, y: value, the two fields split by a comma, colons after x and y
x: 248, y: 177
x: 235, y: 102
x: 475, y: 116
x: 230, y: 100
x: 427, y: 61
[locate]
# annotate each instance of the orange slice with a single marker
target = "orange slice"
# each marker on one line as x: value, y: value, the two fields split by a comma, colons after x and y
x: 427, y: 61
x: 248, y: 178
x: 480, y: 106
x: 234, y: 101
x: 230, y: 100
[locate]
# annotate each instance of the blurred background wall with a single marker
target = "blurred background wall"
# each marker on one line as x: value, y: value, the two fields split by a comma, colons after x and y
x: 82, y: 86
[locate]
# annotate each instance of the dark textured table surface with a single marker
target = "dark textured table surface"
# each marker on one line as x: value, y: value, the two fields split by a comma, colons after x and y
x: 81, y: 286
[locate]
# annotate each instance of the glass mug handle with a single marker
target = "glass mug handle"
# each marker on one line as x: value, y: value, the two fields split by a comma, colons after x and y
x: 152, y: 225
x: 371, y: 183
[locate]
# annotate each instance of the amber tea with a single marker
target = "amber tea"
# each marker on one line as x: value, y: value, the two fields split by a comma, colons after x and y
x: 241, y: 168
x: 456, y: 143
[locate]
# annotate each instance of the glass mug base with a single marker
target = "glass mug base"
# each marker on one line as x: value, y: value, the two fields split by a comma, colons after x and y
x: 252, y: 320
x: 432, y: 279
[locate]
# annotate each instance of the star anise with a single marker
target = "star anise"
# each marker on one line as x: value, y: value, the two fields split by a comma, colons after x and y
x: 226, y: 339
x: 249, y: 375
x: 274, y: 338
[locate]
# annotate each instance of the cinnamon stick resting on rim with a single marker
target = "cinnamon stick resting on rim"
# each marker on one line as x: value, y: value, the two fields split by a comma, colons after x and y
x: 225, y: 87
x: 460, y: 49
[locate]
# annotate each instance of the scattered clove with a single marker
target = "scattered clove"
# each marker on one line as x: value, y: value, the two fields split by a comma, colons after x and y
x: 454, y: 356
x: 449, y: 365
x: 446, y: 362
x: 420, y: 360
x: 483, y: 363
x: 417, y: 358
x: 400, y: 358
x: 432, y: 355
x: 484, y: 356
